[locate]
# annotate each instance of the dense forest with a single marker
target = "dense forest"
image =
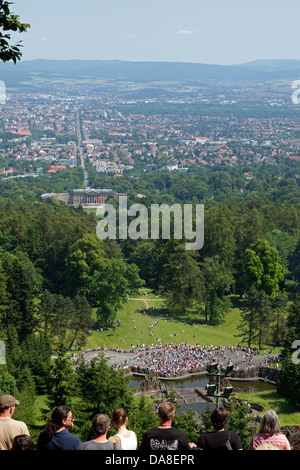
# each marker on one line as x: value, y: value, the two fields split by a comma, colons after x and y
x: 58, y: 279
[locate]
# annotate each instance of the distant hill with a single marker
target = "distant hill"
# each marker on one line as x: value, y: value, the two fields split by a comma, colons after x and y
x: 260, y: 70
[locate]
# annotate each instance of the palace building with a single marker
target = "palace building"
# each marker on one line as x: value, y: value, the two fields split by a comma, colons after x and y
x: 85, y: 197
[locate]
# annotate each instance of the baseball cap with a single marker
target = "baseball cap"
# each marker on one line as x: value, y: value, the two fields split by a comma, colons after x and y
x: 8, y: 400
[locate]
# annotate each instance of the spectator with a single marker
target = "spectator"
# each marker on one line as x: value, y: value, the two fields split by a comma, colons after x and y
x: 100, y: 426
x: 56, y: 435
x: 22, y: 442
x: 219, y: 438
x: 126, y: 439
x: 294, y: 440
x: 269, y: 433
x: 9, y: 427
x: 165, y: 437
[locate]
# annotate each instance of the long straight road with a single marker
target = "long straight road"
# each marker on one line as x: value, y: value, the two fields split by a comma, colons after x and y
x: 79, y: 142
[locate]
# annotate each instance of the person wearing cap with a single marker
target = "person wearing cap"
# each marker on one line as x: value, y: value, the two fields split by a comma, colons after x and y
x: 9, y: 427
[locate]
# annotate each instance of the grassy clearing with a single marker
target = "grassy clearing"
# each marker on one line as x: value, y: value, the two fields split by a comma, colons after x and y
x: 271, y: 400
x: 135, y: 327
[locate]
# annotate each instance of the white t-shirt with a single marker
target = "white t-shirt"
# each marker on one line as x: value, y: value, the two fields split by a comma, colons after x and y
x: 128, y: 443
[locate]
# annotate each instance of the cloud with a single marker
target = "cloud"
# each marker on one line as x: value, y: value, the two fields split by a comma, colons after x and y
x: 185, y: 31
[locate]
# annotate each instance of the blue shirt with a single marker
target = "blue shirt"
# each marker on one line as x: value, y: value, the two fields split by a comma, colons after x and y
x: 63, y: 440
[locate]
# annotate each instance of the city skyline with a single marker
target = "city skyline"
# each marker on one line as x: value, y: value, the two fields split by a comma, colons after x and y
x: 168, y: 31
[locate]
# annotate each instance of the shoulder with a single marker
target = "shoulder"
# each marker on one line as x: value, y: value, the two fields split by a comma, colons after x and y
x: 152, y: 431
x: 85, y: 445
x: 65, y: 434
x: 19, y: 424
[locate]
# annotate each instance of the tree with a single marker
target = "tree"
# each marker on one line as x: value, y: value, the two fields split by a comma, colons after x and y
x: 265, y: 316
x: 65, y: 319
x: 249, y: 321
x: 112, y: 282
x: 20, y: 290
x: 289, y: 380
x: 84, y: 258
x: 80, y: 322
x: 3, y: 293
x: 219, y: 235
x: 61, y: 379
x: 216, y: 282
x: 8, y: 384
x: 182, y: 280
x: 10, y: 22
x: 101, y: 387
x: 262, y: 268
x: 239, y: 419
x: 142, y: 416
x: 279, y: 304
x: 46, y: 313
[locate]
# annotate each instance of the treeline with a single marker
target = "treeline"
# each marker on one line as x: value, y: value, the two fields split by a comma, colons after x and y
x: 203, y: 184
x: 30, y: 188
x: 51, y: 247
x: 249, y: 249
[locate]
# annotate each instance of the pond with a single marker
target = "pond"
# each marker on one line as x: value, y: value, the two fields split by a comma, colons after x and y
x: 201, y: 382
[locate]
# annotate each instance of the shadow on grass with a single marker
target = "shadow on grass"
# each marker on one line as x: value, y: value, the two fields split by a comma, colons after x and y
x: 188, y: 317
x: 278, y: 403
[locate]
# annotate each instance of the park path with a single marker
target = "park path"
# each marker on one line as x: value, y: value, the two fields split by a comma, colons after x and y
x: 144, y: 300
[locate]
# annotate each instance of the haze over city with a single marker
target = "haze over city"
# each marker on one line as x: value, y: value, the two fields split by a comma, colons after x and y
x: 197, y: 31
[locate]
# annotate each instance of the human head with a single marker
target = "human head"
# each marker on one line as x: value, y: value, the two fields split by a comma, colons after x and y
x: 62, y: 417
x: 166, y: 411
x: 219, y: 418
x: 270, y: 423
x: 7, y: 404
x: 100, y: 424
x: 23, y: 442
x: 295, y: 441
x: 119, y: 417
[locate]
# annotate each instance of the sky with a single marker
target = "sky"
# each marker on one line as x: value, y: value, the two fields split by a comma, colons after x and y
x: 212, y: 31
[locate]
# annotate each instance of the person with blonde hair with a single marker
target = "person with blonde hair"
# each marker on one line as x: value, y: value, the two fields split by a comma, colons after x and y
x: 126, y: 439
x: 269, y: 433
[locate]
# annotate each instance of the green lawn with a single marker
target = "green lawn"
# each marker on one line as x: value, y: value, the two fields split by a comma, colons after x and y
x: 135, y: 327
x: 271, y: 400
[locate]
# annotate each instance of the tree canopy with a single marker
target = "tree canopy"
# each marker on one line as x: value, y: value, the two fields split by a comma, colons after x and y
x: 9, y: 22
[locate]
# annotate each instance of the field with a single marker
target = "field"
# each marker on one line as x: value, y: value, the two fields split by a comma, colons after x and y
x: 271, y: 400
x: 138, y: 328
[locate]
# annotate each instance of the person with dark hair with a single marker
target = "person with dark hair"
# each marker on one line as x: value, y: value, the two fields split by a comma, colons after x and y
x: 165, y: 437
x: 9, y: 427
x: 219, y: 438
x: 100, y: 427
x: 23, y: 442
x: 125, y: 438
x: 269, y: 433
x: 56, y: 435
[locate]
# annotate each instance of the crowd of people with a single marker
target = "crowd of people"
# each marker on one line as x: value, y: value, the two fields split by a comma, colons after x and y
x: 14, y: 435
x: 171, y: 359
